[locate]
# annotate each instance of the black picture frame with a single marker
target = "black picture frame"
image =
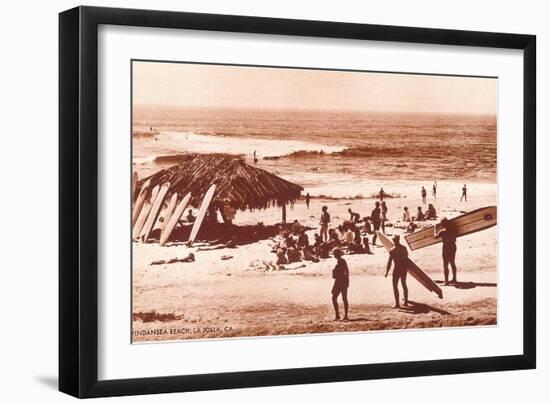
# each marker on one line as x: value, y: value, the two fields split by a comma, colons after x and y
x: 78, y: 196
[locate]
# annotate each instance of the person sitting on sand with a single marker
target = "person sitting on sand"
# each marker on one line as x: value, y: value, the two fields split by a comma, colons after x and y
x: 294, y: 255
x: 354, y: 217
x: 349, y: 236
x: 290, y: 242
x: 431, y: 214
x: 376, y: 219
x: 411, y: 228
x: 339, y: 231
x: 323, y: 251
x: 190, y: 217
x: 398, y: 256
x: 366, y: 246
x: 448, y: 237
x: 419, y: 215
x: 317, y: 240
x: 324, y: 222
x: 367, y: 228
x: 281, y: 257
x: 303, y: 240
x: 296, y: 227
x: 406, y: 214
x: 340, y: 274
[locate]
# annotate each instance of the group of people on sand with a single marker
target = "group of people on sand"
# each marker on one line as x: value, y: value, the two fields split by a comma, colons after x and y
x: 294, y: 245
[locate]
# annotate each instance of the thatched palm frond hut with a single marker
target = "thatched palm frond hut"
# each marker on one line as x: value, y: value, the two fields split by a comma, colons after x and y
x: 240, y: 184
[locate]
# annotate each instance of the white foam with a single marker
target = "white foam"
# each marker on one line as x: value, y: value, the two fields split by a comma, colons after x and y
x: 198, y: 143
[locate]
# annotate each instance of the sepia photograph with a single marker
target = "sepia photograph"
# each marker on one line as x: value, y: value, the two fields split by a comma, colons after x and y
x: 283, y: 201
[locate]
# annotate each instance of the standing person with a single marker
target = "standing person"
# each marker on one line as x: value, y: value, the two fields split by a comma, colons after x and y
x: 375, y: 218
x: 464, y: 194
x: 340, y: 274
x: 308, y: 198
x: 255, y: 158
x: 423, y: 193
x: 325, y: 220
x: 448, y: 237
x: 399, y: 256
x: 384, y: 209
x: 434, y: 190
x: 381, y: 194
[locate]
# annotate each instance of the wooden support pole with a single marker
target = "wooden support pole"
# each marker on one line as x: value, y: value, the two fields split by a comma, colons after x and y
x: 284, y: 213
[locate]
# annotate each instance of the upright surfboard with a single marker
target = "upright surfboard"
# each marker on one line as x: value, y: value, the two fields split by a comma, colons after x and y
x: 134, y: 185
x: 413, y: 269
x: 165, y: 216
x: 202, y: 213
x: 174, y: 219
x: 144, y: 213
x: 140, y: 201
x: 471, y: 222
x: 155, y: 210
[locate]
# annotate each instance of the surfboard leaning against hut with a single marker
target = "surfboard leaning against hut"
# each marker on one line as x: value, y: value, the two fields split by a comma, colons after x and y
x: 138, y: 205
x: 144, y: 213
x: 174, y: 219
x: 201, y: 214
x: 155, y: 210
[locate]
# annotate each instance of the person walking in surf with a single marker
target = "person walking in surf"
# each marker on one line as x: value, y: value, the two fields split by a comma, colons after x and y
x: 464, y: 194
x: 376, y: 220
x: 399, y: 257
x: 340, y: 274
x: 381, y: 194
x: 423, y: 193
x: 434, y: 190
x: 324, y: 222
x: 308, y: 198
x: 448, y: 237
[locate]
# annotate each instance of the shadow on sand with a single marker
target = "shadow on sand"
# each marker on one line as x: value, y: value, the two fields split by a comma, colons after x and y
x: 421, y: 308
x: 469, y: 285
x: 358, y: 319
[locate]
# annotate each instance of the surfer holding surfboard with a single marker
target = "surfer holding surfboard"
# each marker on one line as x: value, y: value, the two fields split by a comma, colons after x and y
x: 400, y: 257
x: 448, y: 237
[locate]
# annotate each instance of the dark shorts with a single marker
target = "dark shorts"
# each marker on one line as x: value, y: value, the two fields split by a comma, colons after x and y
x: 449, y: 251
x: 376, y: 225
x: 400, y: 273
x: 340, y: 286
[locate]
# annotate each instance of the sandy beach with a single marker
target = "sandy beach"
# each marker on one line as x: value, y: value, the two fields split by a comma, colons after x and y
x: 234, y: 292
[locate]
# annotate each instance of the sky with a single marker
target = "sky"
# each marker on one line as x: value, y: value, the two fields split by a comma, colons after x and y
x: 219, y: 86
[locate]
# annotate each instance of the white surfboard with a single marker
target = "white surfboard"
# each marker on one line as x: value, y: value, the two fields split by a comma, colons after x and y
x: 144, y: 213
x: 140, y: 201
x: 165, y: 215
x: 174, y: 219
x: 153, y: 214
x: 202, y: 213
x: 134, y: 185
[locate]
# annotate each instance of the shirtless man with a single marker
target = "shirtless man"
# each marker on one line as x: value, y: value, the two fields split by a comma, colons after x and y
x: 448, y: 237
x: 399, y: 256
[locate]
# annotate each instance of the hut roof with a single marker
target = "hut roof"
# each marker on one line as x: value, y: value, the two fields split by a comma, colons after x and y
x: 244, y: 186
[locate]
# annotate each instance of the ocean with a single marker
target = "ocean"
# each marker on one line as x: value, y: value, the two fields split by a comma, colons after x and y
x: 330, y: 153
